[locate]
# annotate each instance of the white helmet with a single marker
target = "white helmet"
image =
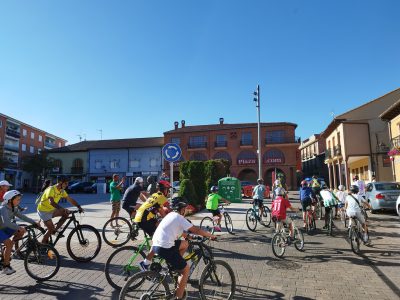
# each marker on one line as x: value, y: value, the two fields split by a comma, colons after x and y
x: 10, y: 195
x: 139, y: 180
x: 341, y: 187
x: 280, y: 191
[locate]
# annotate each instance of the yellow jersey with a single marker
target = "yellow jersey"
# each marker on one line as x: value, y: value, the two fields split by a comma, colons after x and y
x: 51, y: 192
x: 150, y: 207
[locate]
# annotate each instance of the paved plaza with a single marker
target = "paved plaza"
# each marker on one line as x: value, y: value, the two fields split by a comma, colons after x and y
x: 326, y: 269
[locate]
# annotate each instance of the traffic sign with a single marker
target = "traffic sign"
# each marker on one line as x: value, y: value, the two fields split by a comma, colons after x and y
x: 171, y: 152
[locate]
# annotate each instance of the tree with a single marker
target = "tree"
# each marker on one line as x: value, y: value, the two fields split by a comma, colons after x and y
x: 38, y: 164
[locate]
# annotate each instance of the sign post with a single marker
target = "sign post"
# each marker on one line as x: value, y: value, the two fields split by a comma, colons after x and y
x: 172, y: 153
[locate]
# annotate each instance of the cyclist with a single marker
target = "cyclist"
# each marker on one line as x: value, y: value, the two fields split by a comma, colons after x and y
x: 306, y: 196
x: 278, y: 183
x: 167, y: 245
x: 131, y: 195
x: 146, y: 217
x: 361, y: 186
x: 353, y: 208
x: 212, y: 202
x: 279, y: 207
x: 315, y: 185
x: 329, y: 200
x: 48, y: 207
x: 8, y: 210
x: 152, y: 187
x: 258, y: 195
x: 341, y: 195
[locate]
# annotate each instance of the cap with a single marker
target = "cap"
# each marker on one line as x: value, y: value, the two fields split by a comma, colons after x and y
x: 5, y: 182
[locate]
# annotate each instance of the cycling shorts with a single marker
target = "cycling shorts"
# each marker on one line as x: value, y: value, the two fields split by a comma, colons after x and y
x: 215, y: 212
x: 305, y: 203
x: 358, y: 215
x: 149, y: 226
x: 258, y: 202
x: 171, y: 256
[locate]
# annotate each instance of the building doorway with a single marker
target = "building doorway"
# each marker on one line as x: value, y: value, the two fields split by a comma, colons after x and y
x: 270, y: 175
x: 248, y: 175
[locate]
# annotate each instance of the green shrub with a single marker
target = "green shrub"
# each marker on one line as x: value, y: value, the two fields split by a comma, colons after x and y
x: 187, y: 191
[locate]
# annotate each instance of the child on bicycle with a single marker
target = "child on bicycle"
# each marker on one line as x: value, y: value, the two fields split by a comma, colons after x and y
x: 212, y: 203
x: 353, y: 208
x: 306, y: 196
x: 8, y: 210
x: 258, y: 195
x: 279, y: 207
x: 329, y: 201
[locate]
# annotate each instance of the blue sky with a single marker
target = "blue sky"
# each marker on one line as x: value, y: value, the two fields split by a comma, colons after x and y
x: 132, y: 68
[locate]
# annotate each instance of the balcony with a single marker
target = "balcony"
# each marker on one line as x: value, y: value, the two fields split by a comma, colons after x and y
x: 395, y: 142
x: 14, y: 148
x: 221, y: 144
x: 13, y: 133
x: 197, y: 145
x: 328, y: 154
x: 48, y: 145
x: 283, y: 140
x: 76, y: 170
x: 382, y: 148
x: 337, y: 151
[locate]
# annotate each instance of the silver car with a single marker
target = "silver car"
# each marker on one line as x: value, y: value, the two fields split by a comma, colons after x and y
x: 382, y: 195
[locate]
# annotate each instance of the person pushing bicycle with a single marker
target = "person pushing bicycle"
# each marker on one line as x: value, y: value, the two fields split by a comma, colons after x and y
x: 306, y: 196
x: 212, y: 202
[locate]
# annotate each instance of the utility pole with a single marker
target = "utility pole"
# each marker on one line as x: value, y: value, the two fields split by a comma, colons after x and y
x: 257, y: 100
x: 101, y: 133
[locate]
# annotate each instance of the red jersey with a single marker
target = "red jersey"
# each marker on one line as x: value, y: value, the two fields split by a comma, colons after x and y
x: 279, y: 207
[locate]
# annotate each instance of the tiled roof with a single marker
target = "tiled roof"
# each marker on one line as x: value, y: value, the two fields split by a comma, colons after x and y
x: 391, y: 112
x: 226, y: 126
x: 112, y: 144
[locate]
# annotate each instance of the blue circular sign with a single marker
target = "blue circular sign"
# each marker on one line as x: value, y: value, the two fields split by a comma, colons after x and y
x: 171, y: 152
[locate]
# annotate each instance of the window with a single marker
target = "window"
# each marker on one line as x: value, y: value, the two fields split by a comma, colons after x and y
x: 40, y: 138
x: 32, y: 149
x: 24, y: 132
x: 221, y: 140
x: 276, y: 136
x: 153, y: 162
x: 1, y: 123
x: 176, y: 140
x: 114, y: 164
x: 98, y: 164
x: 59, y: 145
x: 32, y: 135
x: 246, y: 139
x: 23, y: 147
x: 197, y: 142
x: 135, y: 163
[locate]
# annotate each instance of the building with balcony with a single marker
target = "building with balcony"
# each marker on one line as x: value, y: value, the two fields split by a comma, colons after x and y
x: 392, y: 117
x: 237, y: 143
x: 99, y: 160
x: 312, y: 151
x: 18, y: 140
x: 357, y: 143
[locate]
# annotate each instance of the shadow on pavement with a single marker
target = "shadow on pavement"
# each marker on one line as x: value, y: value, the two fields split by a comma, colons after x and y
x: 246, y: 293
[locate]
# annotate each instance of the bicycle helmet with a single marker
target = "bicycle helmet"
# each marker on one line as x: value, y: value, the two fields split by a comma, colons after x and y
x: 304, y: 183
x: 280, y: 191
x: 178, y: 203
x: 214, y: 189
x: 260, y: 181
x: 10, y: 195
x: 150, y: 179
x: 354, y: 189
x: 341, y: 187
x: 139, y: 180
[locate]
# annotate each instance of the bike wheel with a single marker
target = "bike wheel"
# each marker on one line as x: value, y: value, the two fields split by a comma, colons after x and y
x: 21, y: 244
x: 330, y: 222
x: 119, y: 268
x: 298, y: 239
x: 83, y: 243
x: 145, y: 286
x: 308, y: 223
x: 217, y: 281
x: 251, y: 219
x: 313, y: 224
x: 207, y: 224
x: 228, y: 223
x: 354, y: 240
x: 266, y: 216
x: 42, y: 261
x: 117, y: 236
x: 278, y: 244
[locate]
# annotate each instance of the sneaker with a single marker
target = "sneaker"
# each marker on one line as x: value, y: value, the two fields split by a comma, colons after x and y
x: 143, y: 266
x: 217, y: 228
x: 325, y: 227
x: 365, y: 237
x: 8, y: 270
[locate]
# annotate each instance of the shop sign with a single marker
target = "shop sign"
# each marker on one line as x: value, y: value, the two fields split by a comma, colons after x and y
x: 275, y: 161
x: 248, y: 161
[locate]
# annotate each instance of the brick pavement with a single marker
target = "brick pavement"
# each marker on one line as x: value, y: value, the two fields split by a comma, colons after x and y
x: 327, y: 269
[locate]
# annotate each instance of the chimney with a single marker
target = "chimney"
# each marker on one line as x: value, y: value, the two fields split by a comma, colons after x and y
x: 176, y: 123
x: 221, y: 121
x: 183, y: 123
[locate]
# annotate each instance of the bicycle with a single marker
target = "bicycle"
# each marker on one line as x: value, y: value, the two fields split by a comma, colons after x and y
x: 208, y: 223
x: 319, y: 208
x: 79, y: 240
x: 253, y: 216
x: 154, y: 284
x: 117, y: 236
x: 343, y: 216
x: 281, y: 239
x: 356, y: 235
x: 310, y: 220
x: 124, y: 262
x: 41, y: 261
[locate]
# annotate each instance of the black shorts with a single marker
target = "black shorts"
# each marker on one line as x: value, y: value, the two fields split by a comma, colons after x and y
x: 149, y: 226
x: 215, y: 212
x: 172, y: 256
x: 129, y: 207
x: 259, y: 202
x: 305, y: 203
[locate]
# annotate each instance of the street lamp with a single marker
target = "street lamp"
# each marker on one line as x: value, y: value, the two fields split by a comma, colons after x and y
x: 257, y: 101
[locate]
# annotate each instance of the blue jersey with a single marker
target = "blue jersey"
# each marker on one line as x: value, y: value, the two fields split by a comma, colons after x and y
x: 306, y: 193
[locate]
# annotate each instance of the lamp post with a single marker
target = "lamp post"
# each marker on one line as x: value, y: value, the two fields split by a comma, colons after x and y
x: 257, y: 101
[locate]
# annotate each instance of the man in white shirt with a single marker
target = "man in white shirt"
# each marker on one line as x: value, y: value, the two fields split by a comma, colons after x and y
x: 167, y: 245
x: 361, y: 186
x: 353, y: 209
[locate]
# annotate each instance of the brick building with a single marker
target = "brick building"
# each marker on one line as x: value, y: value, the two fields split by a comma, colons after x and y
x: 17, y: 140
x: 238, y: 144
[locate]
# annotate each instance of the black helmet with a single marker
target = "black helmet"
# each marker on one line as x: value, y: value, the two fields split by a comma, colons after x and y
x: 62, y: 179
x: 150, y: 179
x: 178, y: 202
x: 354, y: 189
x: 214, y: 189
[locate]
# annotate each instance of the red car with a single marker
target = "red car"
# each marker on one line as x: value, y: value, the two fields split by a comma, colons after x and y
x: 247, y: 189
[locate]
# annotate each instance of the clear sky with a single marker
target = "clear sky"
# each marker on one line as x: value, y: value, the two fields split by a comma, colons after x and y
x: 132, y: 68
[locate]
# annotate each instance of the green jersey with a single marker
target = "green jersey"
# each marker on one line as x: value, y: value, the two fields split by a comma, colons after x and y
x: 213, y: 201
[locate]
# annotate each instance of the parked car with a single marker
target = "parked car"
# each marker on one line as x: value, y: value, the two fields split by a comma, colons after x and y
x: 176, y: 186
x: 247, y: 189
x: 398, y: 205
x: 79, y: 187
x: 382, y: 195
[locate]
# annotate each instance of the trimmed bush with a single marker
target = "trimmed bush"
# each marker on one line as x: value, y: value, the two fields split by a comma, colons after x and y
x: 187, y: 191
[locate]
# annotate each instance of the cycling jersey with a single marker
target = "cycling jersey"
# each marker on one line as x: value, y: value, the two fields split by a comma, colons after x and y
x: 213, y: 201
x: 51, y: 192
x: 259, y: 191
x: 315, y: 183
x: 279, y: 207
x: 149, y: 209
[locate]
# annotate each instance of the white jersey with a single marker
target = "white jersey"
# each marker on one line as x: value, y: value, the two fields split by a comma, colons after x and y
x: 352, y: 205
x: 341, y: 195
x: 170, y: 229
